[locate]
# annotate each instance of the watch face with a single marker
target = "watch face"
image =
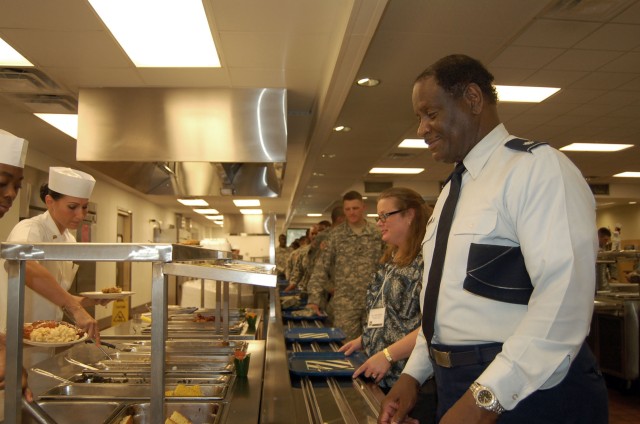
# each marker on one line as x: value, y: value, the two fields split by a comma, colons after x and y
x: 485, y: 397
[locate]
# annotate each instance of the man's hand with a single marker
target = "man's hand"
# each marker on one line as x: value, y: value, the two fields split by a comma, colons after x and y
x: 466, y: 411
x: 83, y: 320
x: 399, y: 401
x: 315, y: 308
x: 290, y: 287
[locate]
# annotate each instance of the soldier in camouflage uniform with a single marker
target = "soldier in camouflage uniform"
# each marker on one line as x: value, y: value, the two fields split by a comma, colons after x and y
x: 349, y: 257
x: 305, y: 257
x: 282, y: 253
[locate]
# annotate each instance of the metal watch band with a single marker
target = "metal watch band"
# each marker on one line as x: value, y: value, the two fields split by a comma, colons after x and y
x: 387, y: 355
x: 494, y: 406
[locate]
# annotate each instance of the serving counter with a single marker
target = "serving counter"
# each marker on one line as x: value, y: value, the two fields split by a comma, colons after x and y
x: 166, y: 259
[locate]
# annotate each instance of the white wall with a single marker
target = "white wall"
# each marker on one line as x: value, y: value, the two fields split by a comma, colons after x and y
x: 627, y: 215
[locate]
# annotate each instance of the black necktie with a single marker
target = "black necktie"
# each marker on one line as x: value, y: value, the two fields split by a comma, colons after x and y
x: 439, y: 253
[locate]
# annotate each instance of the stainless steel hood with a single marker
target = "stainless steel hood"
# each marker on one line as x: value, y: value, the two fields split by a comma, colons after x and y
x: 186, y: 142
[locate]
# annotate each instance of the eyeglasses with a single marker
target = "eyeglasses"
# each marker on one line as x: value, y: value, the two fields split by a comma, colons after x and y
x: 383, y: 217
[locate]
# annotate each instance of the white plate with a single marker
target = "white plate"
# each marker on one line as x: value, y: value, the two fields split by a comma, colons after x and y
x: 100, y: 296
x: 53, y: 344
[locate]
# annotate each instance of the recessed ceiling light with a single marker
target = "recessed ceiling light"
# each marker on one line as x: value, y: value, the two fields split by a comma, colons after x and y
x: 628, y: 174
x: 632, y: 203
x: 516, y: 93
x: 413, y: 143
x: 314, y: 214
x: 251, y: 211
x: 368, y: 82
x: 193, y: 202
x: 67, y: 123
x: 215, y: 217
x: 595, y: 147
x: 318, y: 174
x: 328, y: 155
x: 246, y: 202
x: 342, y: 128
x: 207, y: 211
x: 10, y: 57
x: 372, y: 215
x: 396, y: 170
x: 220, y: 223
x: 161, y: 33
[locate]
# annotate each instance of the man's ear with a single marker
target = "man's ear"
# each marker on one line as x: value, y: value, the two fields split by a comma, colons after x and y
x: 473, y: 97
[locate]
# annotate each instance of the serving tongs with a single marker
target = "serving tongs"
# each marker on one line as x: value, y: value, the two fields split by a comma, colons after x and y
x: 51, y: 375
x: 36, y: 411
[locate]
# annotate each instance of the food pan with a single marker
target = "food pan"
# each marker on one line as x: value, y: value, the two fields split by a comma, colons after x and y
x: 171, y: 367
x: 126, y: 391
x: 187, y: 345
x: 82, y: 411
x: 196, y: 412
x: 134, y: 378
x: 171, y: 357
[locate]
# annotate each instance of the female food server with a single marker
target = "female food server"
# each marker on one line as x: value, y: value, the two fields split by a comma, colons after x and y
x: 66, y: 197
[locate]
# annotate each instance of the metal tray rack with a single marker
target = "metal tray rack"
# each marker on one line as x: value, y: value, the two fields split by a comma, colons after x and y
x: 166, y: 259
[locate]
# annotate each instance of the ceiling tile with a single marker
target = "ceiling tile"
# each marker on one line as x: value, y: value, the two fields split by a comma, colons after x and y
x: 584, y: 60
x: 526, y: 57
x: 554, y: 33
x: 612, y: 37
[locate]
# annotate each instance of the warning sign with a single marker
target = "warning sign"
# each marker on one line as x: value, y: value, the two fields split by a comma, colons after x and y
x: 120, y: 312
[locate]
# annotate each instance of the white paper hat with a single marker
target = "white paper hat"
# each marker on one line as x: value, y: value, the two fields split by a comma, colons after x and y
x: 13, y: 150
x: 71, y: 182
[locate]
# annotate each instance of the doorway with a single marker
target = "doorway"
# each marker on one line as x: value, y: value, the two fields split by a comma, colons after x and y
x: 124, y: 235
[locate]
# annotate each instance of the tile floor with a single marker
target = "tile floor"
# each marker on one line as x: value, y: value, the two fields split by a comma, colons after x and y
x: 624, y: 404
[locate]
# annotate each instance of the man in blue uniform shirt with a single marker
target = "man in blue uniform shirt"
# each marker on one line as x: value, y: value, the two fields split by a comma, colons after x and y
x: 517, y: 274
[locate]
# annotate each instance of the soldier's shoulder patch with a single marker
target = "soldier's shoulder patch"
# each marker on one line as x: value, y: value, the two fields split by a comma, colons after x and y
x: 523, y: 145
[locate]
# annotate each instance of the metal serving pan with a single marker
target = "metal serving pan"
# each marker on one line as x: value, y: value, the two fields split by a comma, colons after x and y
x: 172, y: 367
x: 133, y: 378
x: 82, y: 411
x: 126, y: 391
x: 192, y: 346
x: 196, y: 412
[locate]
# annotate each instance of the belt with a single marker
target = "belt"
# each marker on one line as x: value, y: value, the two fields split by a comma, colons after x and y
x: 460, y: 359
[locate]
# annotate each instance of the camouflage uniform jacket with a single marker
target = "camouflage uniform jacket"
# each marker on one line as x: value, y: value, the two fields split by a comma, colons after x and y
x: 282, y: 253
x: 350, y: 260
x: 398, y: 290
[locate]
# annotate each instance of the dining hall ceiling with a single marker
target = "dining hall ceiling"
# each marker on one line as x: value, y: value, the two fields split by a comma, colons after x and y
x: 316, y: 50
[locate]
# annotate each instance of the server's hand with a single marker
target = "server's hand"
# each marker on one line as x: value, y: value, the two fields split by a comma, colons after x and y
x: 83, y: 320
x: 399, y: 401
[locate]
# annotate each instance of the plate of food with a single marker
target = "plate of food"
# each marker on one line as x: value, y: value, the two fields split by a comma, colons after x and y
x: 108, y: 293
x: 51, y: 333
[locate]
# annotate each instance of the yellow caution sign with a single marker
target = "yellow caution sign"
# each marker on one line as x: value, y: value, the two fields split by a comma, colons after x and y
x: 120, y: 312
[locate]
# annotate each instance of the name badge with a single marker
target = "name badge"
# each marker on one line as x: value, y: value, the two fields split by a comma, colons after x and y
x: 376, y: 318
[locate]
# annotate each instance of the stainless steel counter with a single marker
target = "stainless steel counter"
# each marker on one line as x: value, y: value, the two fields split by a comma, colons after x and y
x: 241, y: 403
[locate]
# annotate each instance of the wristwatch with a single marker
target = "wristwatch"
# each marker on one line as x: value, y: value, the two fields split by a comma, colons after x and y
x: 387, y: 355
x: 485, y: 398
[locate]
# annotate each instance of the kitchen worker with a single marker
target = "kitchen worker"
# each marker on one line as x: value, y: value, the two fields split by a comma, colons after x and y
x: 393, y: 296
x: 515, y: 296
x: 66, y: 197
x: 13, y: 153
x: 352, y: 251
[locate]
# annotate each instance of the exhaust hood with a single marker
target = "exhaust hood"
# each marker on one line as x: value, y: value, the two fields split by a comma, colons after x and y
x: 186, y: 142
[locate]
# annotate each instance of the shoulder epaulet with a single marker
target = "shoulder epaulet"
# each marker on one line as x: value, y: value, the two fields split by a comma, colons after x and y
x: 523, y: 145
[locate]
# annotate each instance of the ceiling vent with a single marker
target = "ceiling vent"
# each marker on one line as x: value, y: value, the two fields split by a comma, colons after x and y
x: 48, y: 103
x: 377, y: 186
x: 602, y: 189
x: 19, y: 80
x: 400, y: 155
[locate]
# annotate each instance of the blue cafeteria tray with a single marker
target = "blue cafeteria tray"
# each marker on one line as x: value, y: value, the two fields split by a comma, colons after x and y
x: 308, y: 335
x: 289, y: 316
x: 312, y: 364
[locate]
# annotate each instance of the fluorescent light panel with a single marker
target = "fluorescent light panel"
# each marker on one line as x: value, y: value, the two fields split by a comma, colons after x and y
x: 160, y: 33
x: 67, y: 123
x: 246, y: 202
x: 628, y: 174
x: 396, y: 170
x: 215, y: 217
x: 251, y: 211
x: 595, y: 147
x: 314, y: 214
x: 10, y: 56
x: 413, y: 143
x: 193, y: 202
x: 516, y: 93
x: 207, y: 211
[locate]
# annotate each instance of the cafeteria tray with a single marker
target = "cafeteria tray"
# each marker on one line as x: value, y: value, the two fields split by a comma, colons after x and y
x: 288, y: 315
x: 308, y: 335
x: 196, y: 412
x: 83, y: 411
x: 324, y: 364
x: 126, y: 391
